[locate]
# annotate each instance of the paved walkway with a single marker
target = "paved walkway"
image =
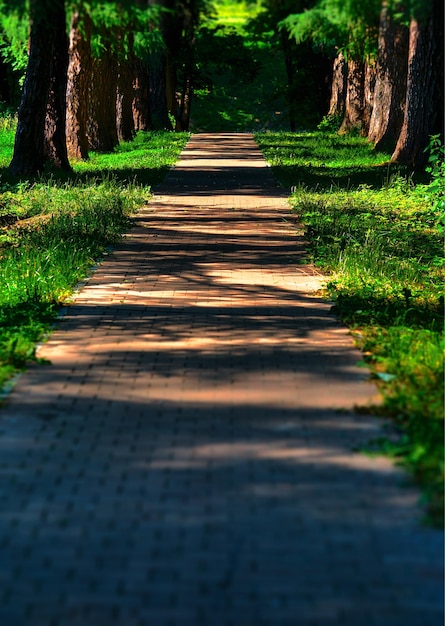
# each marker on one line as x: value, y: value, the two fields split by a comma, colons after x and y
x: 187, y: 459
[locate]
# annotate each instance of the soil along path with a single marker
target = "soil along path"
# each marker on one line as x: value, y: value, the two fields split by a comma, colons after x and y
x: 188, y: 457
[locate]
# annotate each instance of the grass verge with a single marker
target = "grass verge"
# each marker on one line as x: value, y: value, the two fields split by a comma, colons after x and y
x: 379, y: 235
x: 52, y: 230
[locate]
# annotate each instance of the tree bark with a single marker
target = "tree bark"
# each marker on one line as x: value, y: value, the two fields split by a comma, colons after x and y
x: 55, y: 149
x: 337, y: 103
x: 79, y: 76
x: 391, y: 75
x: 355, y: 96
x: 419, y: 105
x: 28, y: 158
x: 369, y: 96
x: 124, y: 95
x: 186, y: 72
x: 159, y: 102
x: 289, y: 48
x: 183, y: 114
x: 101, y: 127
x: 170, y: 85
x: 141, y: 104
x: 5, y: 95
x: 158, y: 91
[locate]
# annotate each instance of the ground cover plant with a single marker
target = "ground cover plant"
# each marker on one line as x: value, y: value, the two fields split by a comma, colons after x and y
x: 378, y: 233
x: 54, y: 228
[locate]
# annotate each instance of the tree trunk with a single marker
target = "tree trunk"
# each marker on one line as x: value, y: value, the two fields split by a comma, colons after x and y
x: 186, y: 54
x: 159, y: 105
x: 141, y: 104
x: 4, y: 83
x: 355, y: 96
x: 79, y: 76
x: 419, y: 105
x: 439, y: 79
x: 158, y: 91
x: 55, y: 123
x: 124, y: 95
x: 183, y: 114
x: 101, y: 127
x: 369, y: 93
x: 171, y: 79
x: 390, y: 91
x: 28, y: 158
x: 337, y: 103
x: 289, y: 49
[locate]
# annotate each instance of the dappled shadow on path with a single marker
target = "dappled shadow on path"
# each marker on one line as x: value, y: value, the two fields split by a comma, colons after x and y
x: 189, y: 456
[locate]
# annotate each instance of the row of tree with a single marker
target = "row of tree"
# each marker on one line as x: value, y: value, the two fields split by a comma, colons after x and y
x: 129, y: 65
x: 387, y: 68
x: 124, y: 66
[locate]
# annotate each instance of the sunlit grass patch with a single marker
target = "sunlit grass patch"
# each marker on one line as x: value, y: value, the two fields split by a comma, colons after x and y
x: 320, y: 161
x: 145, y: 160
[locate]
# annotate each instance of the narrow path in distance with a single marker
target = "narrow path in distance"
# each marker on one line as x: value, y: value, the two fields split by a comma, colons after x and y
x: 188, y: 458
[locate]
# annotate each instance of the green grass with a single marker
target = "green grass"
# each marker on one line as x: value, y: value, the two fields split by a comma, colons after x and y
x: 53, y: 229
x: 379, y: 236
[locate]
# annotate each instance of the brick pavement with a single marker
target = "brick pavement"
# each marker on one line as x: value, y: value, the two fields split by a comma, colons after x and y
x: 188, y: 459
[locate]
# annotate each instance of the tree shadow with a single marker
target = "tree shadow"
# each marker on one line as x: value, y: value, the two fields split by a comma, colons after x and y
x: 143, y: 176
x: 188, y: 457
x: 203, y: 507
x: 323, y: 178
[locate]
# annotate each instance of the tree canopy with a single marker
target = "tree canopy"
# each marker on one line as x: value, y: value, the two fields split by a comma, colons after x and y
x: 128, y: 65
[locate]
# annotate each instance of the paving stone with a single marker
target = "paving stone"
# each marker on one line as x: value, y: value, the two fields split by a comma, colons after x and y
x: 189, y: 458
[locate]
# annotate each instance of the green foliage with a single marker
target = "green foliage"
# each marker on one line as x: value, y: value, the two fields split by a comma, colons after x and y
x: 52, y: 230
x: 351, y: 26
x: 330, y: 123
x: 235, y: 15
x: 14, y: 35
x: 435, y: 190
x: 321, y: 24
x: 380, y: 237
x: 409, y: 362
x: 223, y: 52
x: 240, y: 75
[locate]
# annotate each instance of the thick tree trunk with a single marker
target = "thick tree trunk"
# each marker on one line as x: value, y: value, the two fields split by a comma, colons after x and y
x: 355, y: 96
x: 419, y: 105
x: 28, y: 158
x: 141, y: 103
x: 337, y: 103
x: 55, y: 149
x: 390, y: 91
x: 79, y: 76
x: 101, y: 127
x: 124, y: 96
